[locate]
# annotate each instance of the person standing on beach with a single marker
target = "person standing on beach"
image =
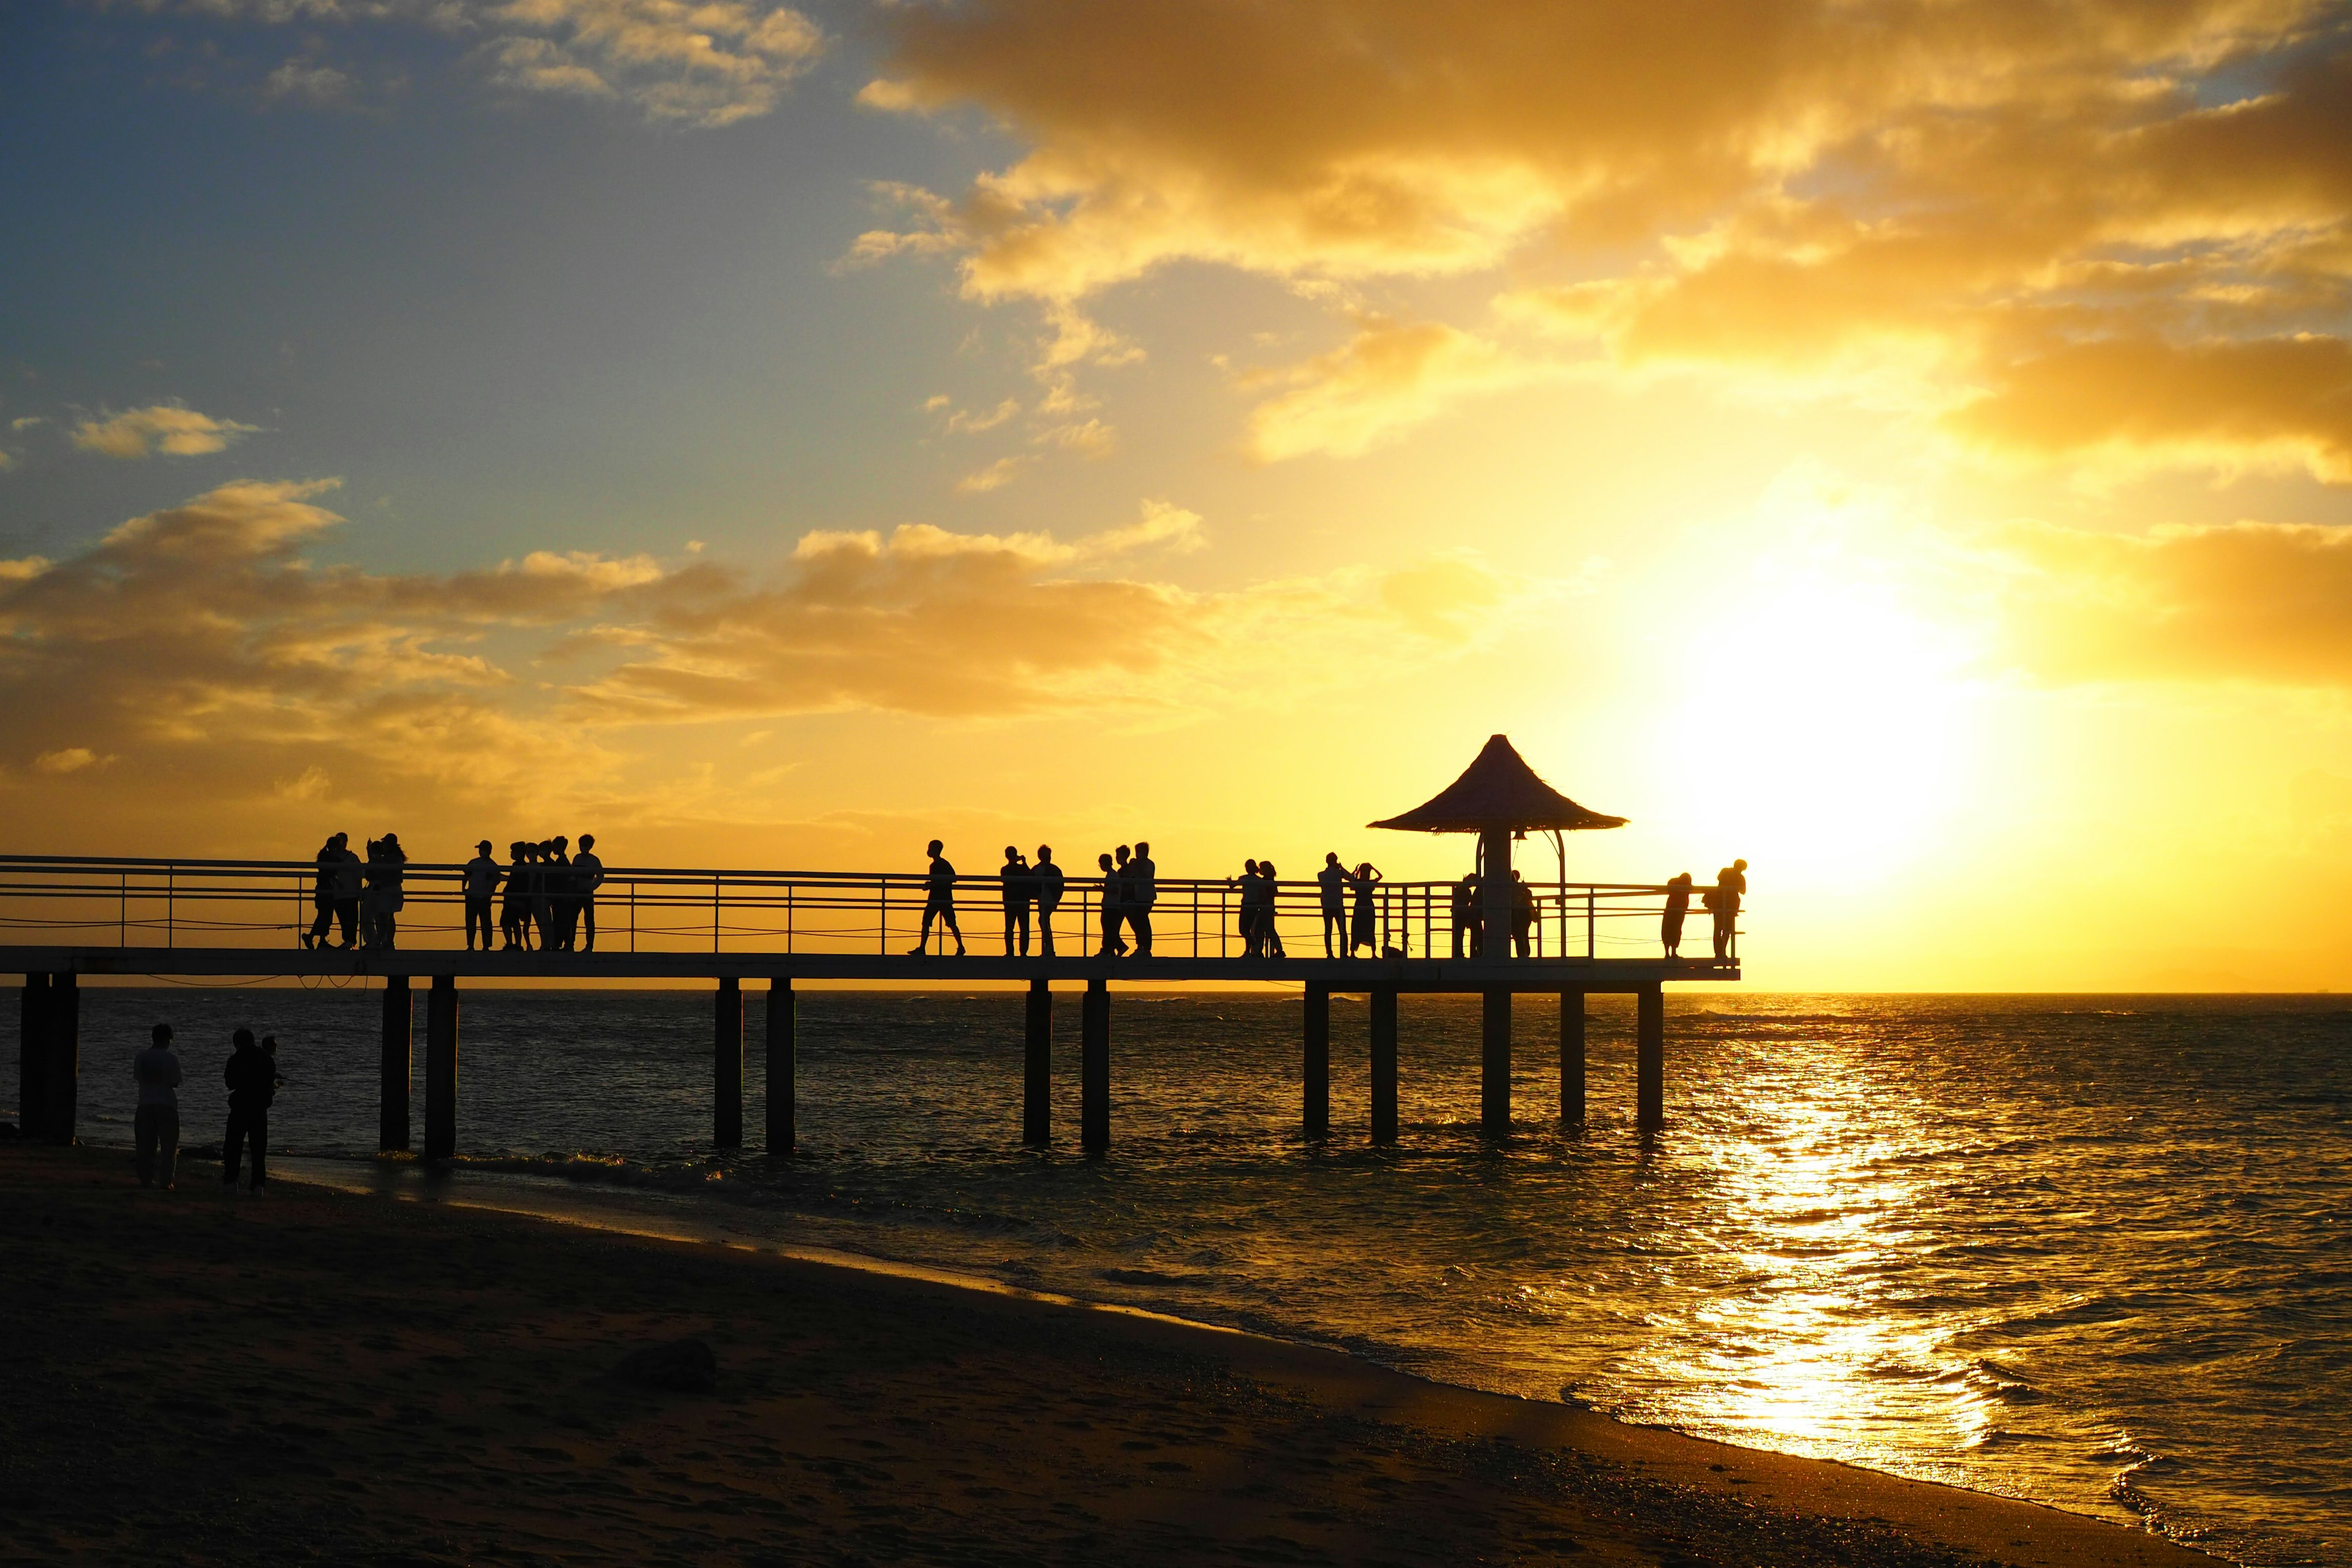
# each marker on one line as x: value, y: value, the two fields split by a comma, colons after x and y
x: 514, y: 913
x: 1018, y: 893
x: 587, y: 876
x: 1142, y: 892
x: 1332, y: 885
x: 938, y: 900
x: 155, y: 1125
x: 1365, y: 932
x: 252, y: 1080
x: 1049, y: 899
x: 1678, y: 898
x: 479, y: 882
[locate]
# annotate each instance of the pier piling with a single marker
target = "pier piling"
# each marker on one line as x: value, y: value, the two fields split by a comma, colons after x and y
x: 1094, y: 1068
x: 1037, y: 1066
x: 782, y: 1087
x: 727, y: 1064
x: 1316, y: 1112
x: 441, y: 1068
x: 393, y: 1081
x: 1494, y: 1066
x: 32, y: 1053
x: 1572, y: 1058
x: 1384, y: 1064
x: 1650, y: 1054
x: 60, y: 1051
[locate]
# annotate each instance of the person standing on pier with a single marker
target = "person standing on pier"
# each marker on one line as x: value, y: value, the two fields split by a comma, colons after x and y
x: 1049, y: 899
x: 1142, y: 892
x: 1019, y: 890
x: 1252, y: 890
x: 347, y: 890
x: 155, y: 1125
x: 252, y: 1080
x: 542, y: 903
x: 322, y: 893
x: 1466, y: 923
x: 1333, y: 882
x: 514, y: 912
x: 479, y: 883
x: 1678, y: 898
x: 587, y: 876
x: 1270, y: 933
x: 562, y: 895
x: 1114, y: 914
x: 1523, y: 913
x: 1365, y: 932
x: 940, y: 901
x: 385, y: 898
x: 1723, y: 902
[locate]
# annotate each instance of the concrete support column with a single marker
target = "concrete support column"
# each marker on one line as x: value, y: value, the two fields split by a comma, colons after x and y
x: 1316, y: 1112
x: 61, y: 1061
x: 32, y: 1054
x: 1384, y: 1064
x: 727, y: 1065
x: 399, y: 1027
x: 782, y: 1088
x: 1094, y: 1068
x: 1037, y: 1066
x: 1572, y: 1058
x: 441, y: 1068
x: 1650, y: 1057
x: 1494, y: 1066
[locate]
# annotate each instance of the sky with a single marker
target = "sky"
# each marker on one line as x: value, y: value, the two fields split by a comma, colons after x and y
x: 1907, y: 446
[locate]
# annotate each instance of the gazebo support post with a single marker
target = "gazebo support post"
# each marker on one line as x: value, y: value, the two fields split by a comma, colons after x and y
x: 1495, y: 1062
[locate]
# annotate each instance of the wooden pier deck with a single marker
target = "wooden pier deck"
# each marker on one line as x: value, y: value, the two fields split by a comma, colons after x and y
x: 197, y: 920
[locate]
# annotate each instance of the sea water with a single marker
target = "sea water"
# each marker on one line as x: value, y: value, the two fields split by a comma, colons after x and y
x: 2091, y: 1251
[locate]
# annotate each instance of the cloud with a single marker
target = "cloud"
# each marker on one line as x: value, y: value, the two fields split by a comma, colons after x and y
x: 996, y: 476
x: 70, y: 760
x: 1931, y: 203
x: 1387, y: 378
x: 168, y: 428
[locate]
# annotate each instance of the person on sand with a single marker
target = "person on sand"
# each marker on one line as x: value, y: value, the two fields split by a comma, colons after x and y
x: 1114, y: 914
x: 939, y: 901
x: 1364, y: 932
x: 587, y: 876
x: 1678, y: 898
x: 252, y: 1080
x: 1048, y: 877
x: 479, y: 883
x: 156, y: 1126
x: 1019, y: 891
x: 1331, y: 883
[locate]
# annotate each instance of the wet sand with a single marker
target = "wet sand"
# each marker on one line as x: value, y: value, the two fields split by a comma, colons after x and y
x: 321, y: 1376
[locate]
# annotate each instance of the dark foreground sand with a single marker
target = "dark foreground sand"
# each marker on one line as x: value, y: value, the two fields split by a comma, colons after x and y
x: 316, y: 1376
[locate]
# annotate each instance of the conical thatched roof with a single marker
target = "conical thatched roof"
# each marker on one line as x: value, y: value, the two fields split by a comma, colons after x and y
x: 1498, y: 790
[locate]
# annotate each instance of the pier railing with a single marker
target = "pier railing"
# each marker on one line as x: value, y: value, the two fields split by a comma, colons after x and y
x: 162, y: 904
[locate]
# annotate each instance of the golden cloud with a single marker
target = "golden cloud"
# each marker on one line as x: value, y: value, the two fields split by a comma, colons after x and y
x: 168, y: 428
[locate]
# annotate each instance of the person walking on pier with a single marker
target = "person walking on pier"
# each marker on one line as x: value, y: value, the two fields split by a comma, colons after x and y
x: 1049, y: 899
x: 1020, y: 889
x: 386, y: 864
x: 587, y: 876
x: 1142, y: 892
x: 1333, y: 882
x: 1114, y: 911
x: 1467, y: 926
x: 1678, y: 898
x: 514, y: 913
x: 252, y: 1080
x: 326, y: 895
x: 479, y: 883
x: 1722, y: 902
x: 1365, y: 931
x: 155, y: 1125
x: 940, y: 901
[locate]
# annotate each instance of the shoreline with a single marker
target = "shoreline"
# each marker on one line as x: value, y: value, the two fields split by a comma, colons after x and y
x: 1242, y: 1408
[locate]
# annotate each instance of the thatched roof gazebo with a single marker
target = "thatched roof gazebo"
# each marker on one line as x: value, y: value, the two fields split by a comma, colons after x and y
x: 1499, y: 798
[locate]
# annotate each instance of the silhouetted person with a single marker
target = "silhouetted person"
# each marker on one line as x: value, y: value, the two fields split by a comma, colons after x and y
x: 1113, y: 912
x: 1142, y: 892
x: 939, y: 901
x: 1678, y: 898
x: 326, y: 897
x: 1272, y: 908
x: 387, y: 865
x: 1366, y: 932
x: 1723, y: 902
x: 1332, y: 882
x: 1523, y: 913
x: 514, y: 911
x: 1247, y: 917
x: 542, y: 900
x: 1020, y: 890
x: 252, y: 1080
x: 155, y: 1125
x: 587, y: 876
x: 562, y: 895
x: 1467, y: 925
x: 348, y: 879
x: 1049, y: 899
x: 479, y: 883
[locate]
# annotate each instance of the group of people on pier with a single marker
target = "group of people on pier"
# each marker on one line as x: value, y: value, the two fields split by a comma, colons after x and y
x: 1721, y: 900
x: 362, y: 897
x: 1130, y: 885
x: 550, y: 894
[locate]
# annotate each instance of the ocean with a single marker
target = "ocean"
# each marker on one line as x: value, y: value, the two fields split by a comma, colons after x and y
x: 2091, y: 1251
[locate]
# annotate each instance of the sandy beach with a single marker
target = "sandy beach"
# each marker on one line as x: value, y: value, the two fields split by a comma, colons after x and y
x: 319, y: 1376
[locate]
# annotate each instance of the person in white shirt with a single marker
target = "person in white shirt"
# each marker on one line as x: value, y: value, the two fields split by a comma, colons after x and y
x: 155, y: 1127
x: 587, y: 876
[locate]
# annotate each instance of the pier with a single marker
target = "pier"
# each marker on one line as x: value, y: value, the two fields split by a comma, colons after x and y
x: 63, y: 918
